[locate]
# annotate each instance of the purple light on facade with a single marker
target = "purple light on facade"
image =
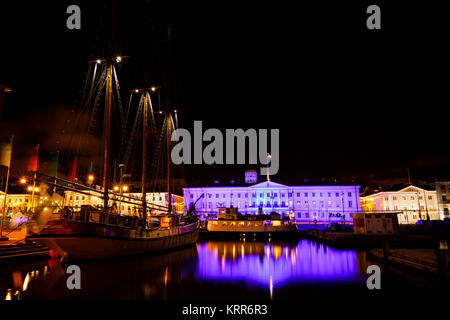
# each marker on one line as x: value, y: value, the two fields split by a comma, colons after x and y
x: 279, y: 264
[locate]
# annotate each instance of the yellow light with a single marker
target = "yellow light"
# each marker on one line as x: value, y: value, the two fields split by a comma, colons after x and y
x: 36, y: 189
x: 118, y: 59
x: 26, y: 281
x: 136, y: 90
x: 99, y: 61
x: 30, y: 188
x: 45, y: 209
x: 116, y: 188
x: 125, y: 188
x: 23, y: 180
x: 91, y: 177
x: 153, y: 89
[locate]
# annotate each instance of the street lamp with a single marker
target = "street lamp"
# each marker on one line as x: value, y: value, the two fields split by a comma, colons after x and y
x: 23, y: 180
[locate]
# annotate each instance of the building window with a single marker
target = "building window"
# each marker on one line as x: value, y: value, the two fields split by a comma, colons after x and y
x: 394, y: 198
x: 430, y: 197
x: 192, y: 196
x: 329, y: 194
x: 306, y: 194
x: 209, y: 196
x: 349, y: 194
x: 350, y: 204
x: 313, y: 194
x: 337, y: 194
x: 298, y: 194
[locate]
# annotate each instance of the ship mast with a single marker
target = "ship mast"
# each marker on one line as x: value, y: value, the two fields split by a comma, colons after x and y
x: 144, y: 156
x: 168, y: 125
x: 107, y: 135
x: 169, y: 194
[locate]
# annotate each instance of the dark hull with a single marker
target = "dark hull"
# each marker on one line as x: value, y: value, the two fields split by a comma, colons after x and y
x: 85, y: 240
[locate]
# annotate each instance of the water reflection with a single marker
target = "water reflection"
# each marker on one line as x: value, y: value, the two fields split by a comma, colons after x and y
x: 212, y: 269
x: 276, y: 264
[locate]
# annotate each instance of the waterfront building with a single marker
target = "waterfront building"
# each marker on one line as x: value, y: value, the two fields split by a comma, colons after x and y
x: 15, y: 202
x: 304, y: 204
x: 443, y: 198
x: 412, y: 203
x: 76, y: 200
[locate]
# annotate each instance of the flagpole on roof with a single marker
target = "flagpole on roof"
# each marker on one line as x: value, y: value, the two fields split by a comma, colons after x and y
x: 6, y: 190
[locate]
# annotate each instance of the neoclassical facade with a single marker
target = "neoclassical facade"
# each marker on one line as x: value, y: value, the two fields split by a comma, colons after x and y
x: 326, y: 203
x: 412, y: 202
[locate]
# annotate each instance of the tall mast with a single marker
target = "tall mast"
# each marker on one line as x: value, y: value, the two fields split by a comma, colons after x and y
x: 107, y: 135
x: 169, y: 85
x: 169, y: 194
x: 144, y: 156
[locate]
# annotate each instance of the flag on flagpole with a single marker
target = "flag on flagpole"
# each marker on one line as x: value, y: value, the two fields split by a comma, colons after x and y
x: 33, y: 164
x: 54, y: 165
x: 5, y: 154
x: 73, y: 170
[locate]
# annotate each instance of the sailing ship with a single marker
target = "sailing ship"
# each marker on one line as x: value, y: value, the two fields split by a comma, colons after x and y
x: 96, y: 233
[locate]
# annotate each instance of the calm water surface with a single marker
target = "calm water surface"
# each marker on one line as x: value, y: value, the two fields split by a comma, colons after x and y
x: 209, y: 270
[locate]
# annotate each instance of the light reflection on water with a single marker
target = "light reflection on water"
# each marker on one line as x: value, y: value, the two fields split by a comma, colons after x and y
x: 211, y: 269
x: 274, y: 265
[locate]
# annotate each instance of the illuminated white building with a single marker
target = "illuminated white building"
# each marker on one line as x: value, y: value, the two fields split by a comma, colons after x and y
x: 324, y: 204
x: 443, y: 198
x: 414, y: 203
x: 76, y: 200
x: 15, y: 202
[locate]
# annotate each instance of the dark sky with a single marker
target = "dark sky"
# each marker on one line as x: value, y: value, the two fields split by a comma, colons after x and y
x: 348, y: 101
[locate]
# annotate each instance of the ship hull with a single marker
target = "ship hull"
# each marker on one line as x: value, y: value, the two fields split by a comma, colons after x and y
x: 84, y: 241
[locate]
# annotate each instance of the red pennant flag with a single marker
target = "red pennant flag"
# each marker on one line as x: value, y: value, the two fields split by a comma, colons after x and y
x: 33, y: 164
x: 73, y: 170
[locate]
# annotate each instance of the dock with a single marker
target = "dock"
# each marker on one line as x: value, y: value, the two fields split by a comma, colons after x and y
x: 434, y: 261
x: 370, y: 241
x: 17, y: 249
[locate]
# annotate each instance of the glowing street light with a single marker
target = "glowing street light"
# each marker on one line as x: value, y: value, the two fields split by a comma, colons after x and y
x: 116, y: 188
x: 30, y: 188
x: 23, y: 180
x: 125, y: 188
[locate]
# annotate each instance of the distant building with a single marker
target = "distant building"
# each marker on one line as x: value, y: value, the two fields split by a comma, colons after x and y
x: 16, y: 202
x: 327, y: 203
x: 443, y: 198
x: 412, y: 202
x: 76, y: 200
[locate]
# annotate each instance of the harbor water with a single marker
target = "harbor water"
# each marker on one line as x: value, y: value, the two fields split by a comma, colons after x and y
x: 245, y: 269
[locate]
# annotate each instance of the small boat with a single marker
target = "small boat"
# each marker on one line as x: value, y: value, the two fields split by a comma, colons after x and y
x: 255, y: 226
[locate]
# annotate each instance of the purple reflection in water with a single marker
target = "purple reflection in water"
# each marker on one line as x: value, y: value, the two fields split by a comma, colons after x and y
x: 275, y: 264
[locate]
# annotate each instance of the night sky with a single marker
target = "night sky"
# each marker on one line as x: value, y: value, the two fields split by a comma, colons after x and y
x: 350, y: 103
